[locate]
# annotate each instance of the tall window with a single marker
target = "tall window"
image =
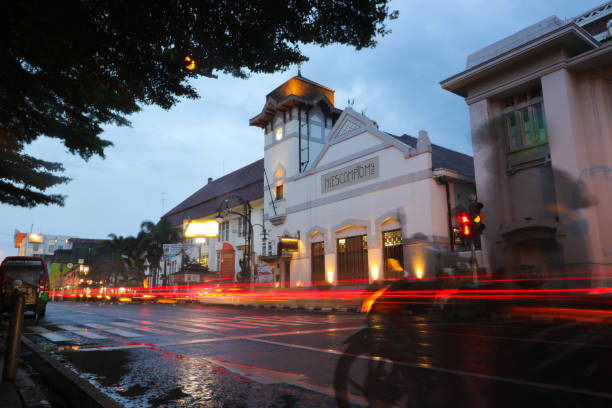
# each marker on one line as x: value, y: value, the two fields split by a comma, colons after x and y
x: 352, y: 256
x: 317, y: 262
x: 224, y: 231
x: 279, y: 192
x: 524, y: 120
x: 218, y: 260
x: 393, y: 254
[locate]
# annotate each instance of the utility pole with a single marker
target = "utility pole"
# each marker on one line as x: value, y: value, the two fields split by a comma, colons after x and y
x: 163, y: 201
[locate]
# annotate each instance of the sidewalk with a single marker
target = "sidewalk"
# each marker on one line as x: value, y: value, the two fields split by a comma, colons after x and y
x: 25, y: 391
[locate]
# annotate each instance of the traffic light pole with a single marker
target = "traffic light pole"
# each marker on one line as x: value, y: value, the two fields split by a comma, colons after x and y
x: 474, y: 262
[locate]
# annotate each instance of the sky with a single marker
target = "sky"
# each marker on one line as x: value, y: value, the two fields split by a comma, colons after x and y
x: 165, y: 156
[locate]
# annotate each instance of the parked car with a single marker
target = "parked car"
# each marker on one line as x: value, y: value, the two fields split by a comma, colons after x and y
x: 28, y: 275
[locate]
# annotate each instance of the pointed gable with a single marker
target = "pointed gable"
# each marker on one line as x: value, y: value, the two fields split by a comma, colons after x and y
x: 353, y: 134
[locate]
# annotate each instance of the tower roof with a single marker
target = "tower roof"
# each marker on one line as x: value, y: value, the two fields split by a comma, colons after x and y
x: 296, y: 91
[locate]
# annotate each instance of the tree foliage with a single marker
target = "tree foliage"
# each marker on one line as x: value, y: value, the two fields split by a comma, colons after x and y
x: 70, y: 67
x: 121, y: 260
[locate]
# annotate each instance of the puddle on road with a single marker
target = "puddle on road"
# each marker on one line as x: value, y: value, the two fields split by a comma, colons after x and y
x: 153, y: 377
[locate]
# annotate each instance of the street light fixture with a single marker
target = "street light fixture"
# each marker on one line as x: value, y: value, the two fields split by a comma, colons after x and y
x: 225, y: 208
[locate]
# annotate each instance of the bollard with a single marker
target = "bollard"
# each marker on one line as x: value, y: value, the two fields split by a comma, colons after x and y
x: 13, y: 340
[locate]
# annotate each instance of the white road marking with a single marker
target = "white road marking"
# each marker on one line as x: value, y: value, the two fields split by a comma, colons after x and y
x: 489, y: 377
x: 123, y: 333
x: 123, y: 324
x: 69, y: 327
x: 97, y: 326
x: 49, y: 335
x: 81, y: 332
x: 184, y: 328
x: 209, y: 326
x: 154, y: 331
x: 226, y: 338
x: 256, y: 323
x: 238, y: 325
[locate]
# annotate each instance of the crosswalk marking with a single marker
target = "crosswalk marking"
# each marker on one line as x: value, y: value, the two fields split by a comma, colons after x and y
x: 184, y: 328
x: 154, y: 331
x: 215, y: 322
x: 81, y: 332
x: 123, y: 333
x: 97, y: 326
x: 209, y: 326
x: 196, y: 324
x: 239, y: 325
x: 68, y: 327
x: 256, y: 323
x: 49, y: 335
x: 128, y: 325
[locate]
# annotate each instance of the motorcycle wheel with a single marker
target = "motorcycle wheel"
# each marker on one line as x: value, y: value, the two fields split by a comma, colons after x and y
x: 379, y: 385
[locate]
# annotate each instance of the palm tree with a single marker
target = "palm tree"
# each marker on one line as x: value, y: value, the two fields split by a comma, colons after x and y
x: 133, y: 256
x: 107, y: 262
x: 152, y: 237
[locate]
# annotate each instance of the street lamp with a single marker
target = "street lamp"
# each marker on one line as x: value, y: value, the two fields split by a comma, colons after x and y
x: 225, y: 208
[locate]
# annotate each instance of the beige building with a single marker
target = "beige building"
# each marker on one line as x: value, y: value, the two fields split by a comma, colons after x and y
x: 540, y: 105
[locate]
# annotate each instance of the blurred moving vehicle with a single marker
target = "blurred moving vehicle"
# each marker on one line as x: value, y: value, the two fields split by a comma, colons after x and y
x: 429, y: 346
x: 28, y: 275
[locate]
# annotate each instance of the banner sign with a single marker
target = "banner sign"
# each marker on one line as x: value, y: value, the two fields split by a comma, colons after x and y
x: 172, y: 250
x: 347, y: 176
x: 265, y: 272
x: 19, y: 237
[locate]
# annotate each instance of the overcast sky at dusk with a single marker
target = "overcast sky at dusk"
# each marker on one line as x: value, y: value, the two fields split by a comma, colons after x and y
x: 174, y: 152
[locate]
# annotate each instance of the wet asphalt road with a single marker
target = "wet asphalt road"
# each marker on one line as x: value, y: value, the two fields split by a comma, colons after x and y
x: 197, y: 355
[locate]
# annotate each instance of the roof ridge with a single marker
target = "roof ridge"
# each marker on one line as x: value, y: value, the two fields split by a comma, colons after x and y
x: 179, y: 207
x: 433, y: 144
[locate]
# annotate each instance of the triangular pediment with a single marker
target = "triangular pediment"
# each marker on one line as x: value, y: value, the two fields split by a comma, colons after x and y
x: 348, y: 127
x: 353, y: 134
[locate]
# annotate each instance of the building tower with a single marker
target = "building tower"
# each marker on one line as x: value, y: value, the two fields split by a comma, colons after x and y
x: 297, y: 118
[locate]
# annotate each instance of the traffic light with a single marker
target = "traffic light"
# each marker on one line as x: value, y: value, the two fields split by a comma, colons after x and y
x: 465, y: 225
x: 476, y: 215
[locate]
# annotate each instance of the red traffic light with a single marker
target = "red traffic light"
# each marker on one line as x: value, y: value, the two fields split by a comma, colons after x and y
x: 465, y: 224
x: 463, y: 218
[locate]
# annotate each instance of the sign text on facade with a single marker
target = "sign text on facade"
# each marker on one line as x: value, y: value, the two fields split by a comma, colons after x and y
x: 356, y: 173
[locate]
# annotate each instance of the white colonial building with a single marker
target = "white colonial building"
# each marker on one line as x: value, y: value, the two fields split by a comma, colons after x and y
x: 348, y: 203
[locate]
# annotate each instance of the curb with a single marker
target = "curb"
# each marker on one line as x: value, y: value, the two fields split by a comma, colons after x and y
x: 79, y: 392
x: 326, y: 307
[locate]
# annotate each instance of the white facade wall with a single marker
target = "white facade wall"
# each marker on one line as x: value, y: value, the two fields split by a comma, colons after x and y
x: 404, y: 195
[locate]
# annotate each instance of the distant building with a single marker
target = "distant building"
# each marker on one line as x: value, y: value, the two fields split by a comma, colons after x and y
x: 540, y: 106
x: 67, y: 258
x: 34, y: 244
